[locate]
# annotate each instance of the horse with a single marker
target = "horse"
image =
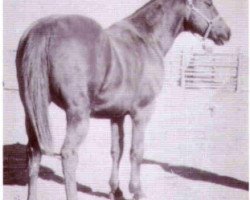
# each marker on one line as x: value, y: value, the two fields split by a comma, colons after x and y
x: 89, y: 71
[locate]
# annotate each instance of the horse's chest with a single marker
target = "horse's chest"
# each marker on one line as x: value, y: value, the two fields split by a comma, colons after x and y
x: 150, y: 84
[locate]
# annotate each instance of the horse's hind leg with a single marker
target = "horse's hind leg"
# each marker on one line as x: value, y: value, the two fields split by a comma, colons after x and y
x: 117, y: 135
x: 34, y: 159
x: 77, y: 127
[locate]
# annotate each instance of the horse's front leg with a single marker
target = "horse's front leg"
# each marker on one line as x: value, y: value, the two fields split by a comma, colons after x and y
x: 139, y: 121
x: 117, y: 135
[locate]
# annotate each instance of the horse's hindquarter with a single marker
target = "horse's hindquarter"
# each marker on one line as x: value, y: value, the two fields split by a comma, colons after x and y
x: 72, y: 54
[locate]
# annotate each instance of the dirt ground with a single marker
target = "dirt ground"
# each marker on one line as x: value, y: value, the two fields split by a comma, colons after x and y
x: 196, y: 149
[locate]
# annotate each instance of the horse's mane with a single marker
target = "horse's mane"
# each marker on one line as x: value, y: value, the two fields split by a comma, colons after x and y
x: 144, y: 7
x: 148, y: 4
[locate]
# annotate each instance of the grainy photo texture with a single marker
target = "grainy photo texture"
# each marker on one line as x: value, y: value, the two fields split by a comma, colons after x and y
x: 125, y: 100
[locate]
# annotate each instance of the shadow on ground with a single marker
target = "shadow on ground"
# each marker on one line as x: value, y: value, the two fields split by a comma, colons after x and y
x: 15, y: 170
x: 200, y: 175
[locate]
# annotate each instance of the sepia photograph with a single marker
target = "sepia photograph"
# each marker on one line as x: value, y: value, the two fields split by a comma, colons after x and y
x: 125, y: 100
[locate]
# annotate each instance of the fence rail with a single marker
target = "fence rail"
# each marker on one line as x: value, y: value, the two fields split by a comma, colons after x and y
x: 210, y: 71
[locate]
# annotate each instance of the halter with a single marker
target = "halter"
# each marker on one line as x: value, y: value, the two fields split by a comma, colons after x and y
x: 210, y: 22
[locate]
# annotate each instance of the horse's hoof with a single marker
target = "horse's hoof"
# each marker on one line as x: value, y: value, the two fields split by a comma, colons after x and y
x: 113, y: 197
x: 140, y: 196
x: 117, y: 195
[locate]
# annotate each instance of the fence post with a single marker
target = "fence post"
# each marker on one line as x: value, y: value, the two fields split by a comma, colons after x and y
x: 237, y: 71
x: 182, y: 71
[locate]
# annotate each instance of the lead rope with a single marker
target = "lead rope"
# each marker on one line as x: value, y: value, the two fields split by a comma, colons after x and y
x: 209, y: 22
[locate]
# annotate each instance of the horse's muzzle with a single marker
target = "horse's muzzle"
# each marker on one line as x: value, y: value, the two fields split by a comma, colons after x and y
x: 221, y: 33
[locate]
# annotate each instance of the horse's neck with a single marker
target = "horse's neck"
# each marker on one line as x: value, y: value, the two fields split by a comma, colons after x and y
x: 164, y: 32
x: 169, y: 33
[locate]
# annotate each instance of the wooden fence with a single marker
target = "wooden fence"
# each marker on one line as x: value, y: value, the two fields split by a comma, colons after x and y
x: 210, y: 71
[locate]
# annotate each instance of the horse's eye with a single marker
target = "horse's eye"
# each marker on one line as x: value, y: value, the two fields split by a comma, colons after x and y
x: 208, y: 3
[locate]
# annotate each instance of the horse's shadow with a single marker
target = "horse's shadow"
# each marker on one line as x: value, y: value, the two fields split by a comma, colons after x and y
x: 200, y: 175
x: 15, y: 170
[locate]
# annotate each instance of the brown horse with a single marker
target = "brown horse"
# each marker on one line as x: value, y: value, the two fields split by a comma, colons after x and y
x: 105, y: 73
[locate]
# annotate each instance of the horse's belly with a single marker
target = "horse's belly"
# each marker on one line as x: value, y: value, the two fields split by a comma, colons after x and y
x: 112, y: 104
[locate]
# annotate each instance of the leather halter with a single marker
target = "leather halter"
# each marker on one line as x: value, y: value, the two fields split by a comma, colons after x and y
x: 210, y: 22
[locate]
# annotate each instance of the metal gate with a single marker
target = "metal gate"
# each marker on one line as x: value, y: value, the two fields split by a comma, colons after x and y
x: 210, y: 71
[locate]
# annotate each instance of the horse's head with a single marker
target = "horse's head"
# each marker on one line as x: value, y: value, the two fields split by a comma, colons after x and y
x: 203, y: 18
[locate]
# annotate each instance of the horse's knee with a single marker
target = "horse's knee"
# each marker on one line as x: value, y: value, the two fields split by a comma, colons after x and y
x: 115, y: 154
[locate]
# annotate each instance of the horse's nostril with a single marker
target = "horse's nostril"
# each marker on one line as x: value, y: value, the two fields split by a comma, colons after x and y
x: 226, y: 35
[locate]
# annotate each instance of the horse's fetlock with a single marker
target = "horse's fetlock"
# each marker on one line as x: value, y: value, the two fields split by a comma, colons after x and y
x: 134, y: 187
x: 114, y: 184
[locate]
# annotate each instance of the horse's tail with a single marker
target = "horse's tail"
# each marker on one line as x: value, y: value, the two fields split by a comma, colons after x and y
x: 32, y: 74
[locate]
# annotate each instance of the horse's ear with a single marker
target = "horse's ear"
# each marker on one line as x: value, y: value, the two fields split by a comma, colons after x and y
x: 155, y: 15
